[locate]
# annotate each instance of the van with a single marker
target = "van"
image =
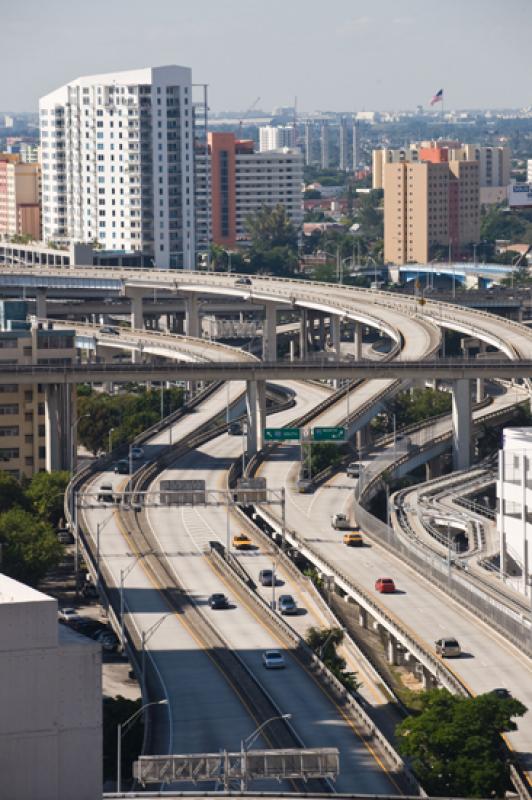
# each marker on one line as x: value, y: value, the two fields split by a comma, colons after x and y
x: 105, y: 493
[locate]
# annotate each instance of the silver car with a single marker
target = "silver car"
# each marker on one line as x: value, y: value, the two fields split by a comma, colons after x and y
x: 273, y: 659
x: 448, y: 648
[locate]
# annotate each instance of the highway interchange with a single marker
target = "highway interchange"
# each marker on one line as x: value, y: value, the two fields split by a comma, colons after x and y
x: 204, y: 713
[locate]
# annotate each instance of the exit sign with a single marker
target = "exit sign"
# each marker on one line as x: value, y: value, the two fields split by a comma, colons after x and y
x: 328, y: 434
x: 282, y: 434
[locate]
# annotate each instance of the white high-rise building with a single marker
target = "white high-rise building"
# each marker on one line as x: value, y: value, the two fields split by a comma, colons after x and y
x: 118, y: 163
x: 275, y: 137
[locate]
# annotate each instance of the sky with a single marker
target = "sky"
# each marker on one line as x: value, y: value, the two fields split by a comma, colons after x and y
x: 338, y: 55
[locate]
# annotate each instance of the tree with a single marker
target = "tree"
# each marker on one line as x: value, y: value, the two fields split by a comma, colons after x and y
x: 46, y: 493
x: 29, y: 546
x: 270, y: 228
x: 117, y: 710
x: 454, y: 745
x: 324, y: 642
x: 11, y: 493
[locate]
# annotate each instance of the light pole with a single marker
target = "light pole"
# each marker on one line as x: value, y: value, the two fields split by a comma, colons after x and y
x: 73, y: 448
x: 110, y: 438
x: 145, y: 636
x: 123, y: 575
x: 244, y: 432
x: 247, y: 743
x: 120, y: 731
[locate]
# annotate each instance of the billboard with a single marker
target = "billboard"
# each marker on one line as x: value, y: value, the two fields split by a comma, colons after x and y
x: 520, y: 195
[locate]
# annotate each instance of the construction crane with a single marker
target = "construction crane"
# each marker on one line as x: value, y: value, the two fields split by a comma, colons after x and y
x: 244, y: 115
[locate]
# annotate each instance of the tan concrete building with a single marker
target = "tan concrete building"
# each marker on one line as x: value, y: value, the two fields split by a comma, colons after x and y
x: 427, y: 203
x: 20, y: 212
x: 28, y: 432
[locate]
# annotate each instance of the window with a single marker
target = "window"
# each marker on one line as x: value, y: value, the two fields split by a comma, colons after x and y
x: 9, y: 408
x: 8, y: 452
x: 9, y: 430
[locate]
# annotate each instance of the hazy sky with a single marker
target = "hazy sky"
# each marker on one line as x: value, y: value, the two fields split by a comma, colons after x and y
x: 332, y: 54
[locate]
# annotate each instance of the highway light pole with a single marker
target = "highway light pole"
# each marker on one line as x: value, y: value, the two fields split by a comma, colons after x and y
x: 121, y: 731
x: 110, y: 439
x: 123, y: 575
x: 247, y: 743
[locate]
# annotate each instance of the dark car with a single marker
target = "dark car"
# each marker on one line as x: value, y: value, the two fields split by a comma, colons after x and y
x: 108, y: 640
x: 109, y: 330
x: 218, y: 600
x: 287, y: 604
x: 266, y: 577
x: 88, y: 626
x: 234, y: 429
x: 502, y: 694
x: 122, y: 466
x: 243, y: 281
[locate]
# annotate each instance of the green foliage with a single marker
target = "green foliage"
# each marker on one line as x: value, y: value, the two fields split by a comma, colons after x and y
x: 500, y: 223
x: 271, y: 228
x: 29, y: 546
x: 46, y: 494
x: 369, y: 214
x: 324, y: 454
x: 116, y: 710
x: 11, y: 493
x: 128, y: 414
x: 324, y: 642
x: 454, y: 744
x: 409, y: 407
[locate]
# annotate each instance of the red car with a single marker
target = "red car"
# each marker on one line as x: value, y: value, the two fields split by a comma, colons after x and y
x: 385, y: 585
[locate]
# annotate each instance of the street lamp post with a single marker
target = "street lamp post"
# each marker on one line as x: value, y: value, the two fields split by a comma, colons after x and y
x: 123, y: 575
x: 247, y: 743
x: 120, y: 732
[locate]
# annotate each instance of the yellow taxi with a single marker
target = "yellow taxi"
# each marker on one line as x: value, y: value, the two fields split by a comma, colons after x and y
x: 353, y: 539
x: 242, y: 542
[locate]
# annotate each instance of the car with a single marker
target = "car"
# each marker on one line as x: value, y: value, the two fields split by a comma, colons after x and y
x: 109, y: 330
x: 448, y: 648
x: 502, y: 694
x: 136, y: 453
x: 89, y: 627
x: 353, y: 539
x: 122, y: 467
x: 64, y: 536
x: 266, y: 577
x: 243, y: 281
x: 89, y: 591
x: 340, y: 522
x: 242, y: 542
x: 287, y: 604
x: 105, y: 493
x: 218, y: 600
x: 304, y: 485
x: 234, y: 429
x: 385, y: 585
x: 273, y: 659
x: 108, y: 640
x: 354, y: 468
x: 67, y: 615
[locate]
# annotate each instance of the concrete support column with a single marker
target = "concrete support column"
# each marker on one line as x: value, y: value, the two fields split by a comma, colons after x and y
x: 433, y: 468
x: 40, y: 304
x: 362, y: 617
x: 269, y: 333
x: 192, y: 317
x: 336, y: 336
x: 59, y: 408
x: 391, y: 650
x: 427, y: 679
x: 462, y: 428
x: 137, y: 317
x: 480, y: 381
x: 256, y: 415
x: 303, y: 334
x: 357, y: 340
x: 321, y: 321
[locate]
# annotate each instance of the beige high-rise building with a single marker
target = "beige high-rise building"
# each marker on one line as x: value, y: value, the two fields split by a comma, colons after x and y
x: 427, y: 203
x: 20, y: 212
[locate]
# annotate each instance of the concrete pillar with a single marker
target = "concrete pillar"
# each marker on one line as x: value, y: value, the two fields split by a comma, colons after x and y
x: 256, y: 415
x: 391, y: 650
x: 362, y: 617
x: 303, y: 333
x: 135, y: 295
x: 269, y: 333
x: 426, y: 678
x: 59, y: 408
x: 40, y: 304
x: 480, y: 381
x: 321, y: 323
x: 433, y: 468
x: 192, y: 317
x: 357, y: 340
x: 462, y: 429
x: 336, y: 335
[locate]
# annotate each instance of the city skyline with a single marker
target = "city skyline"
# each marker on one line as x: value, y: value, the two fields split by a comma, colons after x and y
x: 317, y: 56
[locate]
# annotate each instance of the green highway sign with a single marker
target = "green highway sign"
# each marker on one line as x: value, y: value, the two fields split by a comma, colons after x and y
x: 328, y: 434
x: 282, y: 434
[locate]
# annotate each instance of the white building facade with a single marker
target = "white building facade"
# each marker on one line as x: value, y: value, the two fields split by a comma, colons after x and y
x: 50, y: 689
x: 274, y: 137
x: 268, y: 179
x: 514, y: 496
x: 118, y: 163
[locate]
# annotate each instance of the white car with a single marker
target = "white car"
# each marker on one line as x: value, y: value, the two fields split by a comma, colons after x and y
x: 68, y: 614
x: 448, y: 648
x: 136, y: 453
x: 340, y: 522
x: 273, y: 659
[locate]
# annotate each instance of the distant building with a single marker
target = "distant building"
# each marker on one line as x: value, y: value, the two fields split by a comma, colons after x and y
x: 514, y: 504
x: 51, y: 721
x: 325, y: 158
x: 309, y: 144
x: 243, y: 181
x: 430, y: 202
x: 20, y: 212
x: 529, y: 170
x: 9, y: 122
x: 27, y: 444
x: 274, y: 137
x: 118, y: 163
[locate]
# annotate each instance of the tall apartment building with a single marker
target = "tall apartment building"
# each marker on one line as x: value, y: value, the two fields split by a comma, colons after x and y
x: 429, y: 202
x: 274, y: 137
x: 118, y: 163
x: 325, y: 156
x: 309, y: 143
x: 494, y: 162
x: 26, y: 446
x: 244, y: 181
x: 20, y: 212
x: 344, y: 146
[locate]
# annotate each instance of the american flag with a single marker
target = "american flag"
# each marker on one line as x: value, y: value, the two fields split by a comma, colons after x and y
x: 438, y: 98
